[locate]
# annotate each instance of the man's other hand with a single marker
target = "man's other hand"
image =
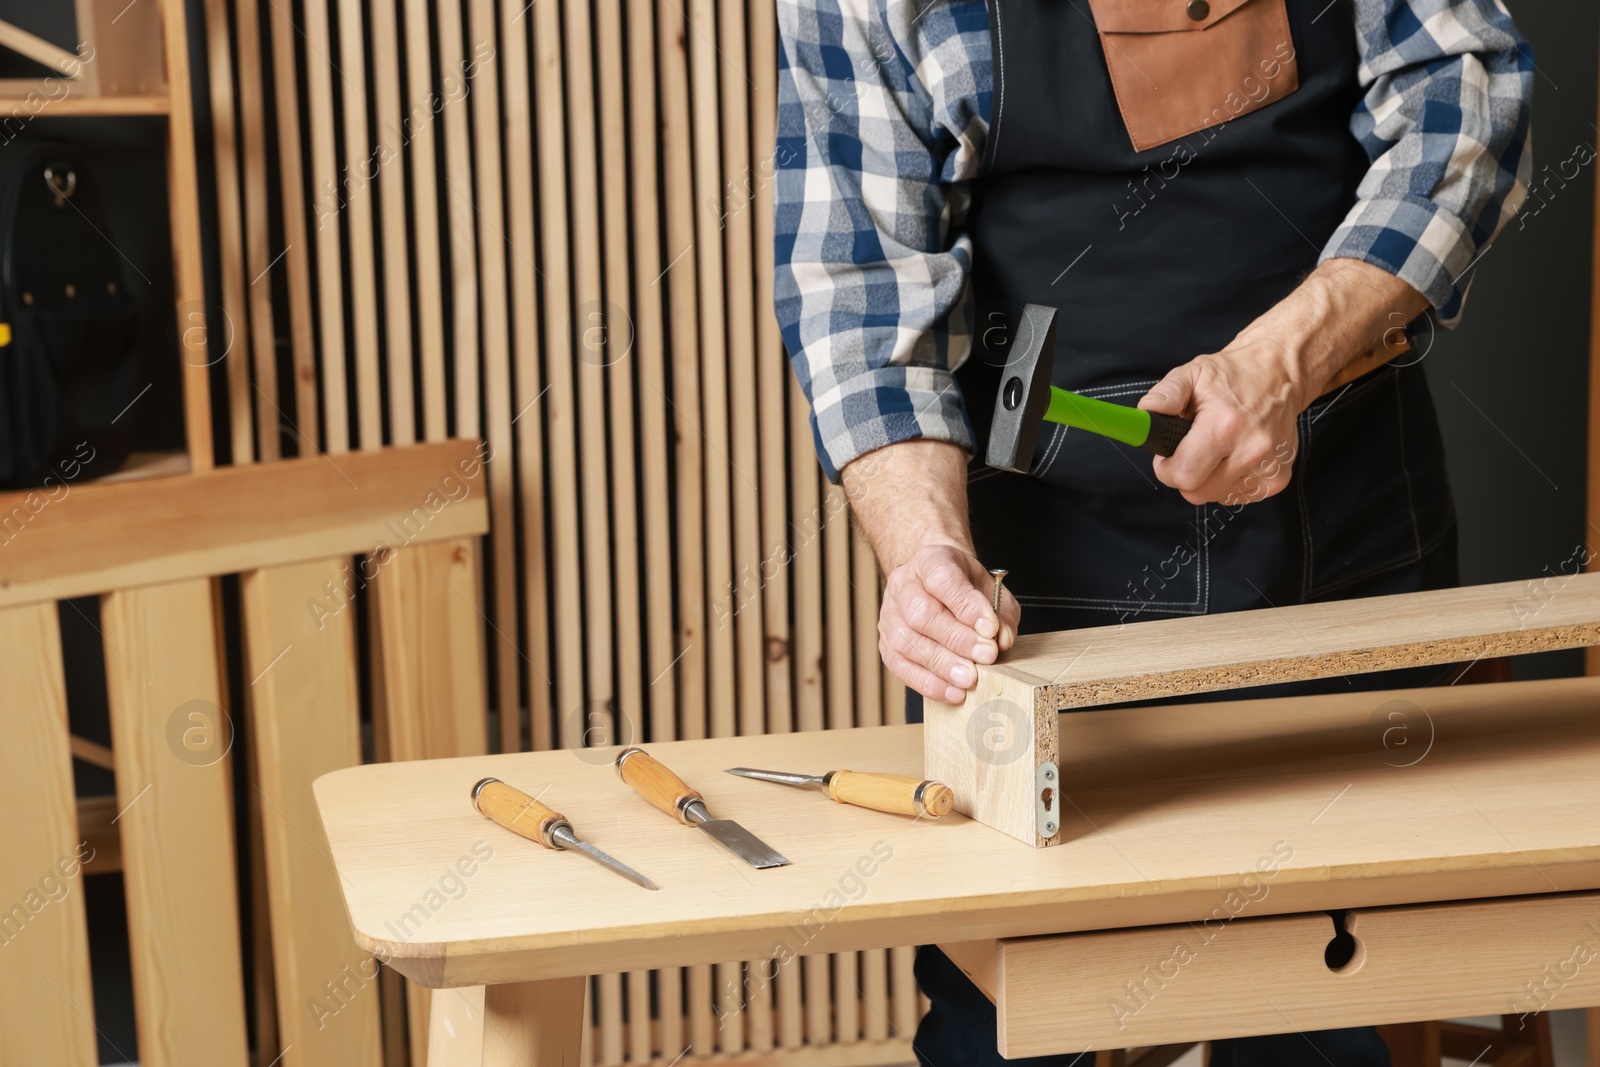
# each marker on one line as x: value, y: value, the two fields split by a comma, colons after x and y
x: 938, y: 620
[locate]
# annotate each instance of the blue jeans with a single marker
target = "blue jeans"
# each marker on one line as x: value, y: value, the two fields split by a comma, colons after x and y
x: 959, y: 1031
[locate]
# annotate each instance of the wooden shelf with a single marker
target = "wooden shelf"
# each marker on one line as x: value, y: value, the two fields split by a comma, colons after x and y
x: 84, y: 106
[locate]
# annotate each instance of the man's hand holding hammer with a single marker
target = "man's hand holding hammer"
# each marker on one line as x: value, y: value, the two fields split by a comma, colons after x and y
x: 910, y: 498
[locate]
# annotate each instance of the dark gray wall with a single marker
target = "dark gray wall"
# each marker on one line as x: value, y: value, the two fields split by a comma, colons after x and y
x: 1511, y: 382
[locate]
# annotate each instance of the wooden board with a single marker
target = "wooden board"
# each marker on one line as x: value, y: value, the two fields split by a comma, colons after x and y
x: 990, y: 748
x: 169, y: 734
x: 46, y: 1003
x: 1242, y: 976
x: 988, y: 751
x: 1199, y: 654
x: 1171, y: 806
x: 426, y: 601
x: 102, y: 537
x: 305, y: 722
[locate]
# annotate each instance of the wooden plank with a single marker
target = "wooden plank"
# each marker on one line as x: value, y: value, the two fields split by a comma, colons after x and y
x: 594, y: 455
x: 1497, y: 807
x: 1171, y: 657
x: 1267, y: 975
x: 559, y: 406
x: 46, y: 1003
x: 425, y: 222
x: 387, y: 153
x: 819, y: 999
x: 356, y: 191
x: 790, y: 1030
x: 36, y: 48
x: 1012, y: 707
x: 806, y: 532
x: 533, y: 1023
x: 864, y: 598
x: 171, y: 734
x: 463, y: 226
x: 292, y: 204
x: 875, y: 994
x: 425, y: 603
x: 257, y: 251
x: 989, y: 750
x: 305, y: 723
x: 618, y: 357
x: 455, y: 1028
x: 263, y: 980
x: 772, y: 377
x: 183, y: 198
x: 327, y: 206
x: 655, y: 421
x: 230, y: 231
x: 105, y: 537
x: 427, y: 625
x: 722, y: 693
x: 702, y: 1009
x: 683, y: 319
x: 639, y: 1030
x: 745, y: 594
x: 903, y: 990
x: 496, y: 353
x: 847, y: 997
x: 14, y: 97
x: 534, y: 653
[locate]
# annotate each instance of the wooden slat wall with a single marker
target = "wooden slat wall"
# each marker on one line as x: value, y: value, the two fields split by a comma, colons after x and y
x: 550, y: 225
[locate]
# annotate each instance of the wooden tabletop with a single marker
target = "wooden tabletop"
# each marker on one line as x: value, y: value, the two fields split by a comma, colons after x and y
x: 1310, y: 803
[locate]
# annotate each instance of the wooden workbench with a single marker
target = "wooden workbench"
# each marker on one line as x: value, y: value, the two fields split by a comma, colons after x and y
x: 1173, y: 815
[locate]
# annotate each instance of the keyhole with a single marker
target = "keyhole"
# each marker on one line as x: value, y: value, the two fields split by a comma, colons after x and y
x: 1048, y: 797
x: 1344, y: 954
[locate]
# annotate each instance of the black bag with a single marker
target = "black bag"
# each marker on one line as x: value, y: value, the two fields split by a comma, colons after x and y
x: 70, y: 365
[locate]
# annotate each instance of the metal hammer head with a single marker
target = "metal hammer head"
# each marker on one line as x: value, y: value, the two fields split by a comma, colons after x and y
x: 1024, y: 394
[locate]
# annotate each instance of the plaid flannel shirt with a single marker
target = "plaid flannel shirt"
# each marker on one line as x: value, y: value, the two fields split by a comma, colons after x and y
x: 882, y: 113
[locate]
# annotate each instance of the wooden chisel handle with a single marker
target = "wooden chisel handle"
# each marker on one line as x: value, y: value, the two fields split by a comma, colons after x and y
x: 650, y: 778
x: 900, y: 794
x: 518, y: 812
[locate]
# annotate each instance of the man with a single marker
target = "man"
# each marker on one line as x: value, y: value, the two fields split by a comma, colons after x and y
x: 1230, y: 203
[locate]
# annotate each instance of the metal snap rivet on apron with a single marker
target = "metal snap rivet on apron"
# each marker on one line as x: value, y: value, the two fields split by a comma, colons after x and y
x: 1198, y: 10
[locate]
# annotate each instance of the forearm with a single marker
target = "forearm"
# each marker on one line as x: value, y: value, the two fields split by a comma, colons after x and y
x: 1344, y: 310
x: 909, y: 495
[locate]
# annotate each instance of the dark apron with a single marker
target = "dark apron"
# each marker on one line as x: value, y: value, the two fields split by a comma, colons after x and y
x: 1153, y: 257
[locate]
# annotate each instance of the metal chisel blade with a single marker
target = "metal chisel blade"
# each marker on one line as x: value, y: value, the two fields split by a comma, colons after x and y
x: 781, y: 777
x: 742, y: 843
x: 570, y: 840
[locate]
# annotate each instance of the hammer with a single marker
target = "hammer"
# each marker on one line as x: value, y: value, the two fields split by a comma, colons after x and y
x: 1027, y: 398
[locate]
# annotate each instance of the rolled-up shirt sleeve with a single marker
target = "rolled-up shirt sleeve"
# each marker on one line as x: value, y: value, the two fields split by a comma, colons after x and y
x: 1445, y: 120
x: 881, y: 112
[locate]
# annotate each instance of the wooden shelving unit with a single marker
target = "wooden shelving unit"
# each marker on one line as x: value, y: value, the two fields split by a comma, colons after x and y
x: 133, y: 60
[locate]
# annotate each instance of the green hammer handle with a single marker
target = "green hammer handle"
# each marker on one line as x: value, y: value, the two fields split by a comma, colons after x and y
x: 1149, y: 430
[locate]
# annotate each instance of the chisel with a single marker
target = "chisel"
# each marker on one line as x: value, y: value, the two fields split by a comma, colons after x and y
x: 653, y: 781
x: 522, y: 814
x: 898, y: 794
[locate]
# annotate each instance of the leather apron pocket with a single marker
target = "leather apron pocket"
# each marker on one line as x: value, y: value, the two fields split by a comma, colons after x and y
x: 1181, y: 66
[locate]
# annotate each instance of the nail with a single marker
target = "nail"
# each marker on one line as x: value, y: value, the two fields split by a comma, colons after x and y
x: 999, y: 574
x: 986, y: 627
x: 963, y: 675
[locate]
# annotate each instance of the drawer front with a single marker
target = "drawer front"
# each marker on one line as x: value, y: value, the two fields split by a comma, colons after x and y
x: 1242, y: 977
